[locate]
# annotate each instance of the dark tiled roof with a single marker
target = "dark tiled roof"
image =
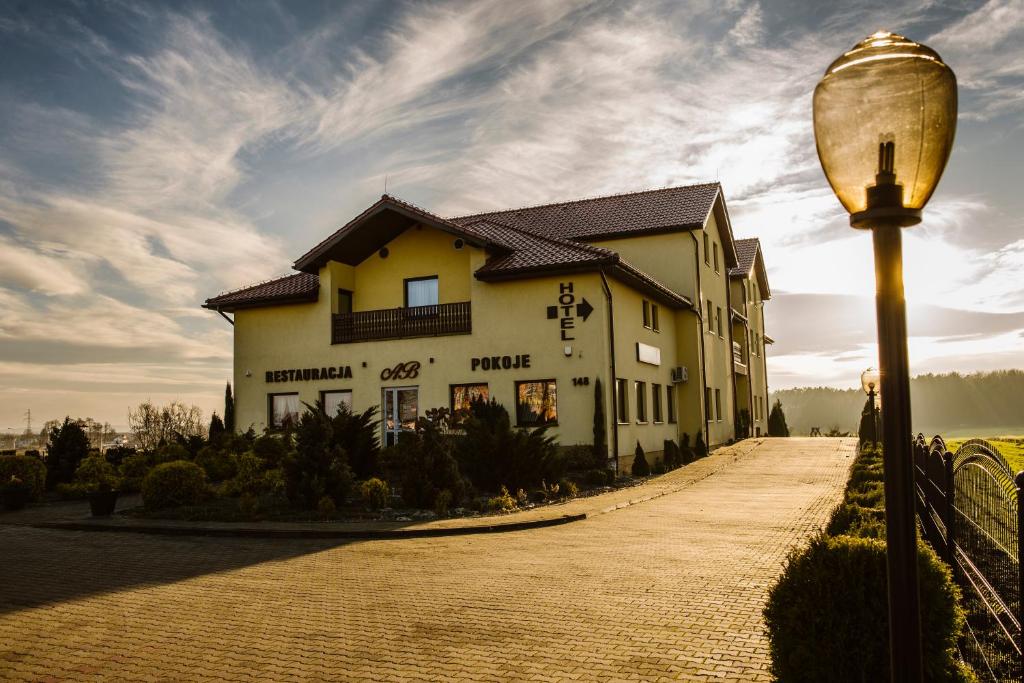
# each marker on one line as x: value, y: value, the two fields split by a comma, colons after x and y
x: 615, y: 215
x: 527, y: 252
x: 296, y: 288
x: 746, y: 252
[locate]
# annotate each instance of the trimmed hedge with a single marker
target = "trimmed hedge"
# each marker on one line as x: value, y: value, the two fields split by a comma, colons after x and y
x: 174, y: 484
x: 30, y: 470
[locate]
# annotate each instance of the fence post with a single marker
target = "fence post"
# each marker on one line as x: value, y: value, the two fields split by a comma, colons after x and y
x: 1018, y: 480
x: 948, y: 512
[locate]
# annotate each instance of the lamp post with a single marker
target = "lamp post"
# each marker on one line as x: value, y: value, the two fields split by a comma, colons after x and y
x: 869, y: 381
x: 884, y: 120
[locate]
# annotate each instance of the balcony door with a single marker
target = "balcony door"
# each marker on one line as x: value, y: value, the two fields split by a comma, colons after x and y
x: 401, y: 408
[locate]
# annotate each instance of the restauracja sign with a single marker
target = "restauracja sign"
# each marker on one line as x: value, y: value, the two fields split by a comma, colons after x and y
x: 310, y: 374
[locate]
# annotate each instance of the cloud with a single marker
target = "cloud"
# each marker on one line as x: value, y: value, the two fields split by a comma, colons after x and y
x: 29, y: 269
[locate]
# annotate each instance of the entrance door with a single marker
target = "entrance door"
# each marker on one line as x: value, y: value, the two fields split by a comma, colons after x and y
x: 400, y: 412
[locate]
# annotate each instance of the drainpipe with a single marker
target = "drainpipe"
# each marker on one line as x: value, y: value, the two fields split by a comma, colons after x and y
x: 614, y: 378
x: 700, y: 341
x: 732, y: 365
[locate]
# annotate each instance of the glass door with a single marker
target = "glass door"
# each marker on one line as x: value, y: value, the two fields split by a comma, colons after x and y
x: 400, y: 412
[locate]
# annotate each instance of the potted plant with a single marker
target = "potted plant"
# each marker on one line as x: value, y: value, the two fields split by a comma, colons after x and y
x: 15, y: 493
x: 99, y: 480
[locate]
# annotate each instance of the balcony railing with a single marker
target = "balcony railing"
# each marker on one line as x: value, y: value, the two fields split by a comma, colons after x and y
x: 400, y: 323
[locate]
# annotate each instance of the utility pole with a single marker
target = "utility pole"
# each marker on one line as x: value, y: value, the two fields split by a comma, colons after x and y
x: 28, y: 422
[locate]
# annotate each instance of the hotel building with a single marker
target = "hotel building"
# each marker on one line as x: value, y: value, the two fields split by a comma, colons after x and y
x: 402, y: 309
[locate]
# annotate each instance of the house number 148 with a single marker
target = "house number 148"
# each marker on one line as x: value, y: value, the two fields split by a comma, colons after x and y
x: 580, y: 381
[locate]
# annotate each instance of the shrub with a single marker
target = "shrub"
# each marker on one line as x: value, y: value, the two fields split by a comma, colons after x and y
x: 251, y: 479
x: 325, y: 507
x: 316, y: 467
x: 503, y: 502
x: 777, y: 420
x: 133, y: 471
x: 442, y: 502
x: 854, y: 520
x: 248, y: 504
x: 356, y: 435
x: 595, y: 477
x: 568, y: 488
x: 29, y: 470
x: 827, y: 617
x: 14, y: 493
x: 218, y: 464
x: 67, y: 447
x: 174, y: 484
x: 96, y: 474
x: 375, y: 493
x: 659, y: 467
x: 424, y: 465
x: 640, y: 467
x: 670, y: 456
x: 170, y: 452
x: 115, y: 456
x: 576, y: 458
x: 700, y: 449
x: 271, y: 449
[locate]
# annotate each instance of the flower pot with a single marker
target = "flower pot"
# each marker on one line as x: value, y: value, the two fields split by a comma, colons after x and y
x: 102, y: 503
x: 16, y: 498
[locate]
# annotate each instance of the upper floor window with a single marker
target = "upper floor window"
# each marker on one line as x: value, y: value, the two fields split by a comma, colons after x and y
x: 421, y: 291
x: 641, y: 401
x: 718, y: 319
x: 707, y: 249
x: 650, y: 315
x: 647, y: 313
x: 716, y: 258
x: 344, y: 301
x: 711, y: 320
x: 654, y: 318
x: 718, y: 404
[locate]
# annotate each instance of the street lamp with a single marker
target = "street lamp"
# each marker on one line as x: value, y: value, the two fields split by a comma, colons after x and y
x: 870, y: 382
x: 884, y: 120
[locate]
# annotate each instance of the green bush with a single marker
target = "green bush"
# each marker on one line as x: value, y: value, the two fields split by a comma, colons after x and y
x: 317, y: 467
x: 640, y: 467
x: 133, y: 471
x: 67, y: 447
x: 854, y: 520
x: 30, y: 470
x: 96, y: 474
x: 827, y: 617
x: 356, y: 435
x: 568, y: 488
x: 375, y: 493
x: 116, y: 455
x: 171, y: 452
x: 218, y: 464
x: 423, y: 463
x: 671, y: 457
x: 174, y: 484
x: 251, y: 479
x: 503, y: 502
x: 442, y: 502
x: 272, y: 449
x: 700, y: 449
x: 576, y: 458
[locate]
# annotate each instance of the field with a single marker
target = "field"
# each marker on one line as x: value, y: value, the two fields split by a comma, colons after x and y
x: 1011, y: 448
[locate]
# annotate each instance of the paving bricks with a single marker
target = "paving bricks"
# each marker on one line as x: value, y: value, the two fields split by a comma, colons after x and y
x: 667, y: 589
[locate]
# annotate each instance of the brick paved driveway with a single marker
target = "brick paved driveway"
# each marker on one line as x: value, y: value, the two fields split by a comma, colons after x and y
x: 671, y: 588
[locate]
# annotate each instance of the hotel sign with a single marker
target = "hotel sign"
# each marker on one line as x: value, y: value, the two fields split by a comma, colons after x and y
x: 309, y: 374
x: 568, y: 310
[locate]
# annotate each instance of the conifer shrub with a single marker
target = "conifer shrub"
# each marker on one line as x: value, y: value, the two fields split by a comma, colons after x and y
x: 218, y: 464
x: 700, y: 449
x: 640, y: 468
x: 317, y: 467
x: 26, y: 469
x: 423, y: 464
x: 375, y: 493
x: 777, y: 420
x: 68, y: 445
x: 272, y: 449
x: 174, y: 484
x: 356, y: 435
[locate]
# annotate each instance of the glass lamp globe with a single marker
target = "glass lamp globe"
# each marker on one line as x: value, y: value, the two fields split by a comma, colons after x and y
x: 870, y: 380
x: 884, y: 120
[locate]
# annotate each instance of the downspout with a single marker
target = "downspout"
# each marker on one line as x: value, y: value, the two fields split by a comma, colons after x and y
x: 732, y: 361
x: 614, y: 378
x: 225, y: 317
x: 700, y: 340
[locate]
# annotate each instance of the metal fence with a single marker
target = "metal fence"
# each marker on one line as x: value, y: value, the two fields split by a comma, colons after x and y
x: 970, y: 507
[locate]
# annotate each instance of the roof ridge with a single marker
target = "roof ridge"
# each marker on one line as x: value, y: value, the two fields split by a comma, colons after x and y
x: 583, y: 199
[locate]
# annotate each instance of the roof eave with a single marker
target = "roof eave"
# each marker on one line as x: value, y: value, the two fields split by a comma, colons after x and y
x: 230, y: 307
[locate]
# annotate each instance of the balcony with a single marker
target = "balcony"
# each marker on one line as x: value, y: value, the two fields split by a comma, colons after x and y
x: 737, y: 358
x: 402, y: 323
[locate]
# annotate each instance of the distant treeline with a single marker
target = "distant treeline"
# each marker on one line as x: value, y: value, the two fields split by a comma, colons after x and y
x: 940, y: 404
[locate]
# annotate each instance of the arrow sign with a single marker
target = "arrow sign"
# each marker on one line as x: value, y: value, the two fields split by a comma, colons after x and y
x: 584, y: 309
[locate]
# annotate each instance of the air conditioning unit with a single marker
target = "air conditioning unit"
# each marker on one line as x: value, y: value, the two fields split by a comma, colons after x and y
x: 679, y: 374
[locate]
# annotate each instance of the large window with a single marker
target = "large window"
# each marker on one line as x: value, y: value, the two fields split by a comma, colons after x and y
x: 707, y: 250
x: 462, y: 397
x: 716, y: 258
x: 718, y: 404
x: 647, y: 313
x: 334, y: 400
x: 536, y: 403
x: 656, y: 402
x: 641, y: 401
x: 670, y: 402
x: 421, y: 291
x: 651, y: 315
x: 283, y: 410
x: 621, y: 401
x: 655, y: 325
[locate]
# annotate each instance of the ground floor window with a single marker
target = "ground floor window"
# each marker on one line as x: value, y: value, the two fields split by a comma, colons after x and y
x: 709, y: 407
x: 621, y: 401
x: 656, y: 402
x: 283, y: 409
x: 718, y: 404
x: 462, y: 396
x: 536, y: 403
x: 334, y: 400
x: 670, y: 402
x: 401, y: 408
x: 641, y: 401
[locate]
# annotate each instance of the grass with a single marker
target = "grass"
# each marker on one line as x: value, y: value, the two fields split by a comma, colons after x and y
x: 1010, y: 447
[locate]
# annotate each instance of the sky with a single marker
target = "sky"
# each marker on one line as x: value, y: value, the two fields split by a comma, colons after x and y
x: 154, y: 155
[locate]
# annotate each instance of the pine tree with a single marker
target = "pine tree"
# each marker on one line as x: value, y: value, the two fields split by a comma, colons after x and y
x: 229, y: 410
x: 600, y: 434
x: 640, y: 468
x: 216, y: 430
x: 777, y: 421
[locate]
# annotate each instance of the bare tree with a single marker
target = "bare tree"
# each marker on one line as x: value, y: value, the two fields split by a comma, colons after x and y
x: 152, y: 424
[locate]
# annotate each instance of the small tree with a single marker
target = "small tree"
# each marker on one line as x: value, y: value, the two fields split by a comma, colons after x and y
x: 67, y: 447
x: 317, y: 468
x: 216, y: 430
x: 867, y: 431
x: 229, y: 410
x: 600, y: 429
x: 640, y: 466
x: 777, y: 421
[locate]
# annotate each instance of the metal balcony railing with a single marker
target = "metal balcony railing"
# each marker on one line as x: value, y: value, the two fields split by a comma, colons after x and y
x: 401, y: 323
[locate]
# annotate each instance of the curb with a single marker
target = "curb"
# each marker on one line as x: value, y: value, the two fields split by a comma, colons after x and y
x: 252, y: 532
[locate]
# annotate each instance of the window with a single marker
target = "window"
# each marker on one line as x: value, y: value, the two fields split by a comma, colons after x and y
x: 716, y: 257
x: 334, y: 400
x: 707, y: 252
x: 708, y: 406
x: 344, y: 301
x: 421, y: 291
x: 641, y: 401
x: 656, y: 402
x: 621, y: 402
x: 283, y: 409
x: 718, y: 404
x: 536, y: 403
x: 711, y: 319
x: 655, y: 325
x: 718, y: 320
x: 670, y: 402
x: 647, y: 313
x: 462, y: 396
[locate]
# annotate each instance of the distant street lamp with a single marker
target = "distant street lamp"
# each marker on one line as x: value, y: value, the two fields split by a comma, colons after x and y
x: 884, y: 120
x: 869, y: 381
